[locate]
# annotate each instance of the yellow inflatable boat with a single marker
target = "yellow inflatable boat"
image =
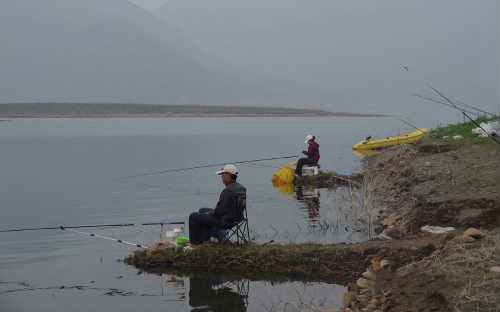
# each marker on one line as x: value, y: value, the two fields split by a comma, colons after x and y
x: 405, y: 138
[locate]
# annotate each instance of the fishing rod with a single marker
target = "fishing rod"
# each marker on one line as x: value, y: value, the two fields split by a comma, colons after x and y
x: 205, y: 166
x: 475, y: 108
x: 120, y: 241
x: 430, y: 99
x: 410, y: 124
x: 448, y: 101
x: 460, y: 104
x: 89, y: 226
x: 464, y: 113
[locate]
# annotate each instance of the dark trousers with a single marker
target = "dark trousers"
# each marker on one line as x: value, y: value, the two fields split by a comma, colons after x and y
x: 200, y: 224
x: 301, y: 163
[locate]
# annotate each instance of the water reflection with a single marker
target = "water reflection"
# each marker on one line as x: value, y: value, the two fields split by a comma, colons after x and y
x: 215, y: 294
x: 285, y: 189
x: 338, y: 214
x: 310, y: 197
x: 208, y: 292
x: 175, y: 283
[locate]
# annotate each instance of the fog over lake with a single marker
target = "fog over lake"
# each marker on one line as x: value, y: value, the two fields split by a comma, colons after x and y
x: 336, y: 55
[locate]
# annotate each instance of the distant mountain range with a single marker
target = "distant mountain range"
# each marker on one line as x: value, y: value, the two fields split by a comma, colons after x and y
x: 97, y: 50
x: 112, y: 51
x: 338, y: 55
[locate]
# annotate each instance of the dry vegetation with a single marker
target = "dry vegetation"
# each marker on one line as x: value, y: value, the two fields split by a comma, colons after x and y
x: 455, y: 278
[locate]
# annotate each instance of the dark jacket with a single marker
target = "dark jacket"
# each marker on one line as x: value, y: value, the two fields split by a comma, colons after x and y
x: 312, y: 152
x: 227, y: 208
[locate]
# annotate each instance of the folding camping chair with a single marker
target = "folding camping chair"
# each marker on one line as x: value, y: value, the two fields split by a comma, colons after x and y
x: 239, y: 231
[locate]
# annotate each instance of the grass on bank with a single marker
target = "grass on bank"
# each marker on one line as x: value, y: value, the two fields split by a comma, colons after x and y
x: 464, y: 129
x: 313, y: 262
x: 308, y: 261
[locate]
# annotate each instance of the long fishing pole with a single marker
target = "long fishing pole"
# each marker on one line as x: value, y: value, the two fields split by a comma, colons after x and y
x: 430, y: 99
x: 475, y: 108
x: 460, y: 104
x: 59, y: 227
x: 410, y: 124
x: 120, y: 241
x: 205, y: 166
x: 464, y: 113
x: 448, y: 102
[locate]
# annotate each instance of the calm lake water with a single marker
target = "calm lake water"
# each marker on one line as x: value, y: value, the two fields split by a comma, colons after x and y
x: 64, y: 172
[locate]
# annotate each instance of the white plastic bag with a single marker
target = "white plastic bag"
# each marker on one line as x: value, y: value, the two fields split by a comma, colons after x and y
x: 492, y: 128
x: 436, y: 229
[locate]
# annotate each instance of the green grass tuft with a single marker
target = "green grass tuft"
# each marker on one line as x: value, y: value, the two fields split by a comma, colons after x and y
x: 463, y: 129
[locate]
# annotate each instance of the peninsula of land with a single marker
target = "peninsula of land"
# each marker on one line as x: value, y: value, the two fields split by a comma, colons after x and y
x: 111, y: 110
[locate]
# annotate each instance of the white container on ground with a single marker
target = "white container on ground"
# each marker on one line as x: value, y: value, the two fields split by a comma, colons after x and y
x: 308, y: 171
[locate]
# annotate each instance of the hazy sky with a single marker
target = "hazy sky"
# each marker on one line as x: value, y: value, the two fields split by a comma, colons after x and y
x: 339, y: 55
x: 149, y: 4
x: 353, y: 50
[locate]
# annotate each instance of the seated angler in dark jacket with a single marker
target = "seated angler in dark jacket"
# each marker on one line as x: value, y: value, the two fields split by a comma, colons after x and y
x: 312, y: 154
x: 225, y: 214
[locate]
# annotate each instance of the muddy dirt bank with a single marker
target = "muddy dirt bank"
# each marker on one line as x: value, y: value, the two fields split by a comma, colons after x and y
x: 463, y: 275
x: 439, y: 184
x: 436, y: 184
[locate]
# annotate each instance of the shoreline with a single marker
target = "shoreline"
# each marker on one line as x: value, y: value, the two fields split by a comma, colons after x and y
x: 131, y: 110
x: 434, y: 183
x: 339, y: 264
x: 190, y: 115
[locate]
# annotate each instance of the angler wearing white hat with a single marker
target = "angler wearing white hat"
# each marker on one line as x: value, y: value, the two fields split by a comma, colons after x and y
x: 229, y: 169
x: 312, y: 154
x: 226, y: 212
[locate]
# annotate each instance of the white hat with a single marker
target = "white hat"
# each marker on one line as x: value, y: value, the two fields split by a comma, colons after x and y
x: 309, y: 137
x: 231, y: 169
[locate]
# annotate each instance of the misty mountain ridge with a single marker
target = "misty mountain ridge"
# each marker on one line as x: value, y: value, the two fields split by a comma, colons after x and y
x: 95, y: 50
x: 108, y: 51
x: 332, y: 55
x: 353, y: 52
